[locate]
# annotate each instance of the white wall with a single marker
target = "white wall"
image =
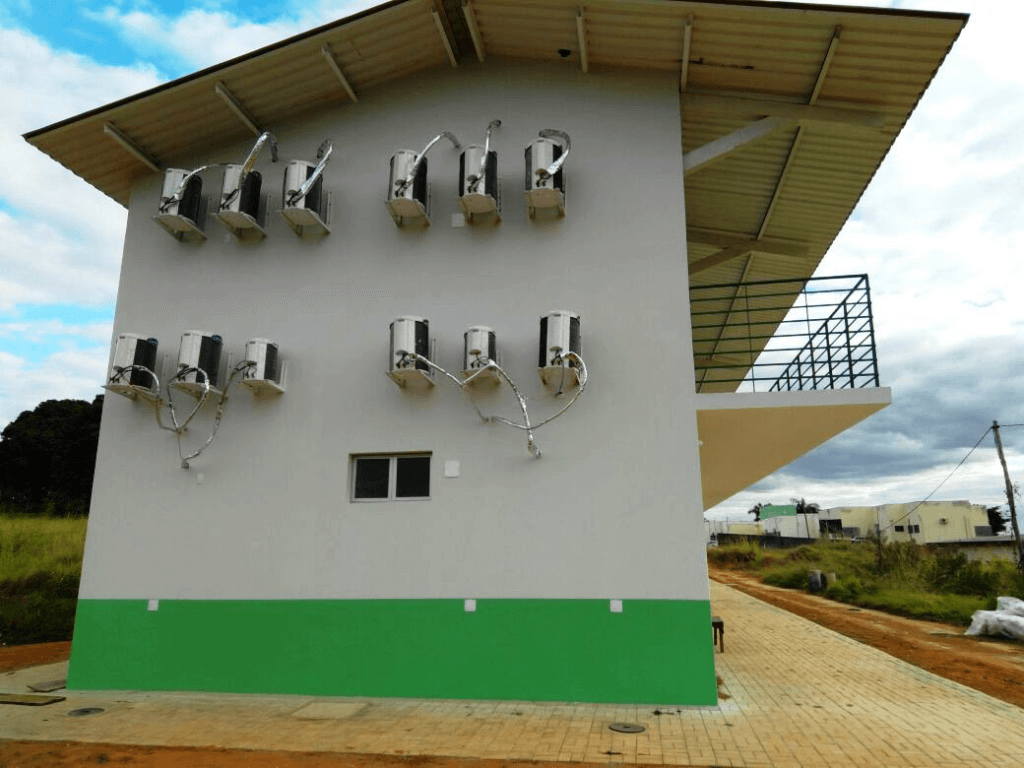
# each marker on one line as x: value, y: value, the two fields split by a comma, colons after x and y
x: 612, y: 509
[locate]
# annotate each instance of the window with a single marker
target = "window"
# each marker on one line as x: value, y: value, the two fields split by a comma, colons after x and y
x: 385, y: 478
x: 899, y: 529
x: 914, y: 528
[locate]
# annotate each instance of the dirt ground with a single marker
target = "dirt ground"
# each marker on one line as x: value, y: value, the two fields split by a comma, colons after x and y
x: 993, y: 666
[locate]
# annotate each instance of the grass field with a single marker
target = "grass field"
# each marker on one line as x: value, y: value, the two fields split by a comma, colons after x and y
x: 40, y: 567
x: 910, y: 580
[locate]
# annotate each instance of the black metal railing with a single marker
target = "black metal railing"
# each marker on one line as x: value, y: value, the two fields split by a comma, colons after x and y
x: 776, y: 335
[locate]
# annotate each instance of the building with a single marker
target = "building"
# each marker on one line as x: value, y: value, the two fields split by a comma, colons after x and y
x: 715, y: 145
x: 923, y: 522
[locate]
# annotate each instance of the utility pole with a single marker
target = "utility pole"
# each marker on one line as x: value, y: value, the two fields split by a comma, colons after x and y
x: 1009, y: 497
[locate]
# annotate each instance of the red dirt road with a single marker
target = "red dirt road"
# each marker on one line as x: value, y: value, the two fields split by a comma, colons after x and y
x: 989, y: 665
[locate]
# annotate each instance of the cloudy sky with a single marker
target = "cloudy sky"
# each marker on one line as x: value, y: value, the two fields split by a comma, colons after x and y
x: 940, y: 232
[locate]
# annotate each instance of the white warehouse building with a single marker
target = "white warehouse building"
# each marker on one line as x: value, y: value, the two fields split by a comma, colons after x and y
x: 349, y: 533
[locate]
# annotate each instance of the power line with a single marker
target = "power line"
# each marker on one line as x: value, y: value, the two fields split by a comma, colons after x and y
x: 890, y: 525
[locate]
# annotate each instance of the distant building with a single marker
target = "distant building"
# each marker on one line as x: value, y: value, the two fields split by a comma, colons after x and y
x: 922, y: 522
x: 929, y: 522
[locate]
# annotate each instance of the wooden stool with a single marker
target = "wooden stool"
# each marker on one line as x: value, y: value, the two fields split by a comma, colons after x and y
x: 718, y: 632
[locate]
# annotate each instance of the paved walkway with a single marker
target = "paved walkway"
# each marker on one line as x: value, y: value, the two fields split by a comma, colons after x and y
x: 798, y: 695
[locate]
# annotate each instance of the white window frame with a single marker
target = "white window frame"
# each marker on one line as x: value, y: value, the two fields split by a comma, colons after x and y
x: 392, y: 475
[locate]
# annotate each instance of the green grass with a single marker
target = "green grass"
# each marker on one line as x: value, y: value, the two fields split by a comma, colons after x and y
x: 911, y: 580
x: 40, y: 567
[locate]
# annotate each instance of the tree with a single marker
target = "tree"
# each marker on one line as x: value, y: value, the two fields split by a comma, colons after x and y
x: 48, y: 455
x: 756, y: 511
x: 996, y: 520
x: 803, y: 508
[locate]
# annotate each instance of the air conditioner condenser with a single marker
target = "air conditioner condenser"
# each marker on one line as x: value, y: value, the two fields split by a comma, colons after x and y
x: 182, y: 209
x: 132, y: 354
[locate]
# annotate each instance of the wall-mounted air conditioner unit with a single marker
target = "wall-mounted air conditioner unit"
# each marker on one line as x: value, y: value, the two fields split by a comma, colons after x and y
x: 478, y: 181
x: 243, y: 206
x: 479, y: 348
x: 306, y: 206
x: 263, y: 374
x: 182, y: 210
x: 410, y: 334
x: 559, y: 335
x: 132, y: 368
x: 408, y: 199
x: 545, y: 176
x: 198, y: 363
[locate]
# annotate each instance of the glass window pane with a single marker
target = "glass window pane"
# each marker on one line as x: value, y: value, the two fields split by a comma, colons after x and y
x: 371, y: 478
x: 413, y: 479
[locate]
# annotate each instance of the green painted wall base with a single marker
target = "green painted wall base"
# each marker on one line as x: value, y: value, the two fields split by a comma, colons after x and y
x: 655, y: 651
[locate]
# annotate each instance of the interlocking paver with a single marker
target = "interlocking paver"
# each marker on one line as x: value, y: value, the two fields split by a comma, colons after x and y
x: 800, y: 696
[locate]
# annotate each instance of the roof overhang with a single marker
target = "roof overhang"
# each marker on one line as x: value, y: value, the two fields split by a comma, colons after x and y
x: 745, y: 436
x: 787, y: 108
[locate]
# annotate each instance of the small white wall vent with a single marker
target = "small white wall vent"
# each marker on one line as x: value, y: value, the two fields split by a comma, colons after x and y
x: 479, y: 348
x: 559, y: 336
x: 306, y: 204
x: 545, y: 177
x: 182, y: 210
x: 262, y: 371
x: 409, y: 352
x: 132, y: 370
x: 243, y: 205
x: 198, y: 363
x: 408, y: 190
x: 478, y: 180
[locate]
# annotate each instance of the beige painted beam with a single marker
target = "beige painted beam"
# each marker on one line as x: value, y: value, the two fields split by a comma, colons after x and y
x: 325, y: 51
x: 131, y: 147
x: 474, y: 30
x: 684, y: 66
x: 236, y: 106
x: 826, y: 63
x: 720, y: 257
x: 773, y: 247
x: 581, y: 35
x: 719, y: 148
x: 444, y: 38
x: 804, y: 114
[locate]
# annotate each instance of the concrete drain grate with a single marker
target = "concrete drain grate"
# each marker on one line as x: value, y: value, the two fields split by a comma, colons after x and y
x: 626, y: 728
x: 85, y: 711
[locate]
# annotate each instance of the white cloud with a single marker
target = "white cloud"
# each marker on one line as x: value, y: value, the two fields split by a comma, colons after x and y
x: 63, y: 244
x: 37, y: 331
x: 67, y: 374
x: 203, y: 37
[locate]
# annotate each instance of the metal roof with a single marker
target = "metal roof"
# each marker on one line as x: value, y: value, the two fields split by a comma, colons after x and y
x: 831, y: 87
